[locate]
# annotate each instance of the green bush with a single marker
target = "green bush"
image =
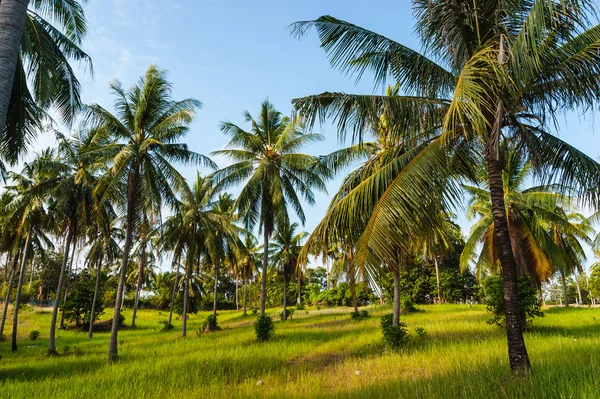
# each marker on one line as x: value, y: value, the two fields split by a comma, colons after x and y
x: 33, y: 335
x: 254, y: 311
x: 492, y: 294
x: 121, y: 319
x: 264, y: 328
x: 393, y: 336
x: 420, y: 331
x: 362, y: 314
x: 166, y: 325
x: 210, y: 324
x: 408, y: 305
x: 300, y: 307
x: 289, y: 312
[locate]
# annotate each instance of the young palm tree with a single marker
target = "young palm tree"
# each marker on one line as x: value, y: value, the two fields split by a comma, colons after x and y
x: 505, y: 70
x: 147, y: 125
x: 286, y: 248
x: 38, y: 39
x: 273, y: 172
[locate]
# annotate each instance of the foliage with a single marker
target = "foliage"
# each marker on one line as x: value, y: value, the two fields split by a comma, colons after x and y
x: 492, y: 294
x: 421, y: 332
x: 393, y: 336
x: 289, y: 313
x: 358, y: 315
x: 210, y: 324
x: 34, y: 334
x: 194, y: 304
x: 78, y: 306
x: 264, y: 328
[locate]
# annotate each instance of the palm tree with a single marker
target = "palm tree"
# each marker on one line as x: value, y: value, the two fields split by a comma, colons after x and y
x: 250, y: 257
x: 37, y: 44
x: 273, y: 171
x: 8, y: 238
x: 286, y: 248
x: 505, y: 70
x: 147, y: 124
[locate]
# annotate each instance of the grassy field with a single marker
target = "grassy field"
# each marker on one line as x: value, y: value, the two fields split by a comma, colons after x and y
x: 317, y: 354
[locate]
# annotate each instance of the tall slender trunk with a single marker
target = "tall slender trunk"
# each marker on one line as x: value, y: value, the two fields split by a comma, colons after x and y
x: 186, y: 296
x: 61, y: 278
x: 237, y: 300
x: 217, y: 270
x: 113, y: 351
x: 564, y: 287
x: 31, y: 275
x: 19, y: 286
x: 96, y: 288
x: 396, y: 299
x: 263, y: 291
x: 285, y: 283
x: 517, y: 351
x: 578, y: 290
x: 138, y: 286
x: 353, y: 291
x: 174, y: 294
x: 327, y: 271
x: 7, y: 299
x: 437, y: 277
x: 13, y: 14
x: 299, y: 298
x: 245, y: 291
x: 61, y: 324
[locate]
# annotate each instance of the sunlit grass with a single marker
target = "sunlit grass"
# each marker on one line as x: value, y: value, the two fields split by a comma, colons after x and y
x: 317, y: 354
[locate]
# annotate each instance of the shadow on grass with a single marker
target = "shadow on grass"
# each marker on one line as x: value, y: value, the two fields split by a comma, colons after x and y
x: 42, y: 369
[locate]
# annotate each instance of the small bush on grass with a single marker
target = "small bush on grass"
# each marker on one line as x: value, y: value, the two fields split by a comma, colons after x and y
x: 363, y: 314
x: 409, y: 306
x: 300, y: 307
x: 420, y: 331
x: 33, y: 335
x: 393, y: 336
x: 210, y: 324
x: 166, y: 325
x: 264, y: 328
x: 289, y: 312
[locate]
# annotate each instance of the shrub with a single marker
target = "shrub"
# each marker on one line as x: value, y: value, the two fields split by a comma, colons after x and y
x: 166, y: 325
x: 393, y: 336
x: 264, y: 328
x: 78, y: 306
x: 492, y: 293
x: 363, y: 314
x: 300, y: 307
x: 210, y: 324
x: 33, y: 335
x: 254, y: 311
x: 420, y: 331
x: 289, y: 312
x: 408, y: 305
x: 121, y: 319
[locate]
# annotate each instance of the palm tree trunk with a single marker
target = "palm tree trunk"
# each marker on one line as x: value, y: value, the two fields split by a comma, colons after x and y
x: 517, y: 351
x: 98, y: 271
x: 186, y: 296
x: 61, y: 325
x: 237, y: 300
x: 578, y: 290
x: 7, y: 299
x: 52, y: 334
x: 299, y: 299
x: 353, y: 290
x: 18, y: 296
x: 396, y: 299
x: 245, y: 291
x: 113, y: 351
x: 217, y: 267
x: 31, y: 275
x: 437, y: 277
x: 173, y: 295
x: 138, y: 286
x: 13, y: 14
x: 564, y: 286
x: 263, y: 291
x: 284, y: 297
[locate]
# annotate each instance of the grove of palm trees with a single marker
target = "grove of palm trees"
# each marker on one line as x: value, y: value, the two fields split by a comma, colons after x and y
x: 408, y: 207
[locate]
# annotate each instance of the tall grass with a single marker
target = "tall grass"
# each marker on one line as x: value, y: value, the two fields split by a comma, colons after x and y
x: 317, y: 354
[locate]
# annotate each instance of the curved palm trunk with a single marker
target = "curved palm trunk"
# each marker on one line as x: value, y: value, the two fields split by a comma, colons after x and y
x: 263, y: 291
x: 173, y: 295
x: 186, y: 296
x: 284, y: 297
x: 217, y: 270
x: 437, y: 277
x: 98, y: 271
x: 517, y: 352
x: 578, y: 290
x: 138, y: 286
x: 396, y: 299
x: 61, y: 325
x: 7, y: 299
x: 245, y: 292
x: 61, y: 278
x: 13, y: 14
x: 113, y: 351
x: 18, y: 296
x: 564, y: 287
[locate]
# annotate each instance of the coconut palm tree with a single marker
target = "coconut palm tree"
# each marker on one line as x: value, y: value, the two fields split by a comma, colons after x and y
x: 146, y: 125
x: 38, y: 39
x: 250, y: 253
x: 8, y: 238
x: 273, y: 172
x: 503, y: 69
x: 286, y: 247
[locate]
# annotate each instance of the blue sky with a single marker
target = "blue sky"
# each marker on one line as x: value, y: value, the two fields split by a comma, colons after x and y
x: 233, y: 54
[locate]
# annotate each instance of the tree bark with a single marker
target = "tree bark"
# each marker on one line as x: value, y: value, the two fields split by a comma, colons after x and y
x: 299, y: 298
x: 18, y: 296
x: 173, y: 295
x: 284, y: 297
x: 217, y: 270
x: 186, y: 296
x: 7, y: 299
x: 237, y: 299
x: 437, y: 277
x: 138, y: 286
x: 396, y: 299
x: 113, y: 351
x: 61, y: 325
x: 67, y: 250
x: 578, y: 290
x: 263, y: 291
x: 96, y: 288
x: 13, y: 14
x: 517, y: 351
x: 564, y: 286
x: 245, y: 291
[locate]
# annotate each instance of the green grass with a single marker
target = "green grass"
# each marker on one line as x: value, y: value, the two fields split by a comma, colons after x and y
x: 314, y: 355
